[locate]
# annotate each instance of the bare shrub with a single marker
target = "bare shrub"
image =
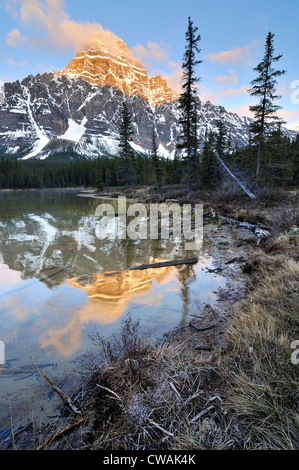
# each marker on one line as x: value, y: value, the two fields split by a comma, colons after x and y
x: 285, y: 219
x: 270, y: 196
x: 228, y: 196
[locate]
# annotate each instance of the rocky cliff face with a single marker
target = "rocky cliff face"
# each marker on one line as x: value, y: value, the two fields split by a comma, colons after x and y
x: 77, y: 111
x: 106, y: 60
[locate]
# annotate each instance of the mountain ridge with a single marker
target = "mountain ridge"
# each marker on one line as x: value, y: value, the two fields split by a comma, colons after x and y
x: 77, y: 111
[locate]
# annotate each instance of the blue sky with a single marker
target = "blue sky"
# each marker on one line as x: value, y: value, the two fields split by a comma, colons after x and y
x: 44, y: 35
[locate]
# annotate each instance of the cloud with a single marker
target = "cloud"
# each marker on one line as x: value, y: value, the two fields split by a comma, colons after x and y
x: 50, y: 26
x: 291, y: 117
x: 174, y: 80
x: 230, y: 92
x: 154, y: 51
x: 14, y: 38
x: 208, y: 94
x: 231, y: 79
x: 242, y: 110
x: 17, y: 64
x: 235, y: 56
x: 284, y: 89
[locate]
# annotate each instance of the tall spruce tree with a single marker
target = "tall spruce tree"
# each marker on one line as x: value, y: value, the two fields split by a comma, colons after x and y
x: 188, y: 103
x: 264, y: 87
x: 126, y: 153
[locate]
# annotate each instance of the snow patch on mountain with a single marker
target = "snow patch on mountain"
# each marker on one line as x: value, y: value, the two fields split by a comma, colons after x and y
x: 75, y: 131
x: 42, y: 139
x: 40, y: 144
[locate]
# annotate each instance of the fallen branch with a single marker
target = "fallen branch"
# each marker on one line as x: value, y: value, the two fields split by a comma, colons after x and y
x: 215, y: 270
x: 246, y: 190
x: 164, y: 264
x: 175, y: 391
x: 65, y: 398
x: 60, y: 433
x: 235, y: 260
x: 193, y: 397
x: 111, y: 391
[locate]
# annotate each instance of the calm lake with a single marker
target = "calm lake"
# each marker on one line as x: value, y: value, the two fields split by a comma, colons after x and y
x: 47, y: 241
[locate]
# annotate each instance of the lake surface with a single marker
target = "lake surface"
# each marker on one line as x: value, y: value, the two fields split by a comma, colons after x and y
x: 47, y: 241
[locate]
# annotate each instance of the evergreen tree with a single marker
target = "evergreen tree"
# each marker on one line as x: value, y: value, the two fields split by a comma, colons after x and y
x: 156, y: 163
x: 126, y: 153
x: 209, y: 165
x: 188, y: 104
x: 221, y: 139
x: 295, y: 159
x: 177, y: 169
x: 264, y: 87
x: 277, y: 158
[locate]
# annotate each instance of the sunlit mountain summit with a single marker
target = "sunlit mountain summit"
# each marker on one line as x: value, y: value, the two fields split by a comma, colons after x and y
x: 106, y: 60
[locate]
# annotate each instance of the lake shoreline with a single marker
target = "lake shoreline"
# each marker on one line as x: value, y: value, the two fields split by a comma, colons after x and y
x: 207, y: 369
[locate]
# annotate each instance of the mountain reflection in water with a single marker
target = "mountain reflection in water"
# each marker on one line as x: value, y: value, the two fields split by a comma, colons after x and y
x: 111, y: 293
x: 48, y: 247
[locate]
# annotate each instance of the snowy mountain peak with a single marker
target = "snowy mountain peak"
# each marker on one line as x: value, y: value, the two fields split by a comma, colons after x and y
x: 106, y: 60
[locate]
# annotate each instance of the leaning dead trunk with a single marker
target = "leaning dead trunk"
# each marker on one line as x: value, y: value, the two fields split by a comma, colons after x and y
x: 249, y: 193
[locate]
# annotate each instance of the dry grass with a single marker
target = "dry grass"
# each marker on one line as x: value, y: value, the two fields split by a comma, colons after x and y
x: 264, y: 386
x: 155, y: 397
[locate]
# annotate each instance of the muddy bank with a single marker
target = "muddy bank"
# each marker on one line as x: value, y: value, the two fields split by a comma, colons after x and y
x: 205, y: 332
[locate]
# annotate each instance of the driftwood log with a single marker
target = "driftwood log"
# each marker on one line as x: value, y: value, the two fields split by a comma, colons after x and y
x: 163, y: 264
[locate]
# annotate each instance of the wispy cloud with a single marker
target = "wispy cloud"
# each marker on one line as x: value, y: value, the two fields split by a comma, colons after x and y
x: 15, y: 38
x: 290, y: 117
x: 17, y: 64
x: 174, y: 80
x: 210, y: 94
x: 231, y: 79
x: 236, y: 55
x: 154, y: 51
x: 50, y: 26
x: 242, y: 110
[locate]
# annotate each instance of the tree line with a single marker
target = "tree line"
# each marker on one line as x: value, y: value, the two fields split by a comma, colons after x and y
x: 280, y: 166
